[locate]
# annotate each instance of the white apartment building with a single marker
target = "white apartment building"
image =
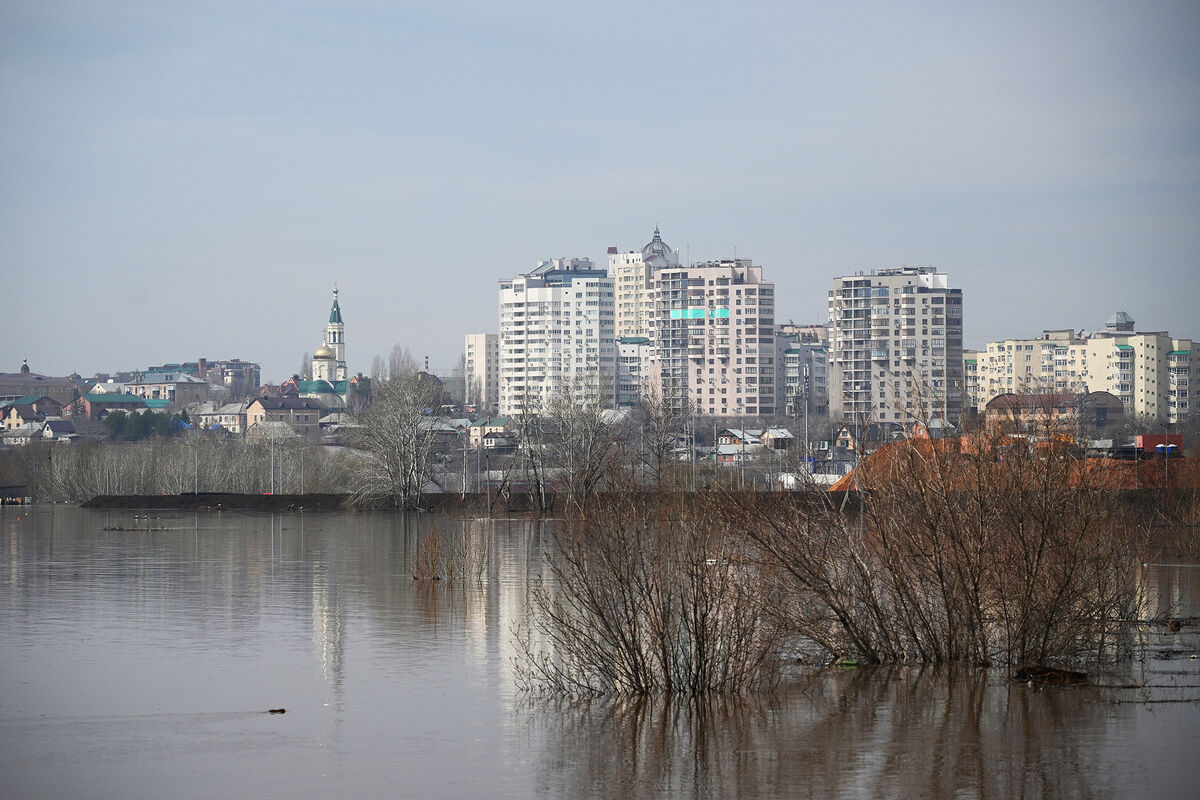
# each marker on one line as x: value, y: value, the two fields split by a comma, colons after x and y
x: 895, y: 339
x: 556, y: 330
x: 1151, y: 372
x: 633, y: 281
x: 635, y: 378
x: 714, y: 335
x: 481, y: 374
x: 802, y: 381
x: 1056, y: 362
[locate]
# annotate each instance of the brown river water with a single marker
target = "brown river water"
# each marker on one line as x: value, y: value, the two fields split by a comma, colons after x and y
x: 141, y: 663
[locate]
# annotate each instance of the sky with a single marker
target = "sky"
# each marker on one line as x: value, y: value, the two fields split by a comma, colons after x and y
x: 183, y: 180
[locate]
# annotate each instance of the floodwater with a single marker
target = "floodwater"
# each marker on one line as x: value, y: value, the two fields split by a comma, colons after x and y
x: 141, y: 663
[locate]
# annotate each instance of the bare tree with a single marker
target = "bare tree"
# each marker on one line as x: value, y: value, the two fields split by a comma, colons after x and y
x: 394, y: 440
x: 584, y: 438
x: 401, y: 362
x: 662, y: 424
x: 982, y: 550
x: 528, y: 466
x: 649, y: 595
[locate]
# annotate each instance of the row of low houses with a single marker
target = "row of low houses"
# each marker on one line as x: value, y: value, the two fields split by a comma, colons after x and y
x: 39, y: 417
x: 34, y: 418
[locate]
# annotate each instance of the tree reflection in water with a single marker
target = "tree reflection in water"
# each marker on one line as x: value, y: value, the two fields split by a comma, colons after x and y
x: 885, y: 732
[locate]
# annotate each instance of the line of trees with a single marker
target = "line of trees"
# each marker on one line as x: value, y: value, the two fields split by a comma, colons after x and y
x: 178, y: 465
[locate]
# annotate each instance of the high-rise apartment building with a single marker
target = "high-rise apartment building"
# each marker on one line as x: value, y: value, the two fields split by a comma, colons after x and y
x: 802, y: 379
x: 481, y: 374
x: 1056, y: 362
x: 556, y: 331
x: 714, y: 336
x: 895, y: 339
x: 1151, y: 372
x: 633, y: 278
x: 635, y: 359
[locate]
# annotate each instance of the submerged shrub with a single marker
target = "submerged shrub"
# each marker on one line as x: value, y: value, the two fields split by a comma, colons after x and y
x: 983, y: 552
x: 649, y: 596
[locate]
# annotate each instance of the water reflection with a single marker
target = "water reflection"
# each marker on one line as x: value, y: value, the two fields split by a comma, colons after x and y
x: 881, y: 733
x: 152, y: 653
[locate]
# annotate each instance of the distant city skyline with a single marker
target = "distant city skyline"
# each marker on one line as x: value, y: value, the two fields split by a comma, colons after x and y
x: 190, y: 180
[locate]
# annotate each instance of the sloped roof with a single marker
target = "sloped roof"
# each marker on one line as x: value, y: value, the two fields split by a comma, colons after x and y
x: 166, y: 377
x: 112, y: 397
x: 959, y: 464
x: 293, y: 403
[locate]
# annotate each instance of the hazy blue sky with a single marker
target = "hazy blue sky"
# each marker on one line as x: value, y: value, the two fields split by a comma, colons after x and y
x: 188, y: 179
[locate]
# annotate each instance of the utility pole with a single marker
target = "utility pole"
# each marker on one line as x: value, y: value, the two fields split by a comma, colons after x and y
x: 807, y: 465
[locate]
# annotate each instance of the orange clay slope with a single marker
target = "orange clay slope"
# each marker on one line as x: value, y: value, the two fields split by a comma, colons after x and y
x: 966, y: 463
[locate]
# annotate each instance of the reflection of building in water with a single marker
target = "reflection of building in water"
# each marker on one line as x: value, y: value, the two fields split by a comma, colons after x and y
x: 523, y: 565
x: 1169, y: 590
x: 329, y: 622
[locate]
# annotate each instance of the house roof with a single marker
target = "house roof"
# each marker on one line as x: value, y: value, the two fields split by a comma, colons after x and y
x: 274, y: 428
x: 112, y: 398
x: 30, y: 399
x: 165, y: 377
x: 25, y: 411
x: 959, y: 466
x: 286, y: 403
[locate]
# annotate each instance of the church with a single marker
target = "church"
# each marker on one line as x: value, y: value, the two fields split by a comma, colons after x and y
x: 329, y: 360
x: 328, y: 381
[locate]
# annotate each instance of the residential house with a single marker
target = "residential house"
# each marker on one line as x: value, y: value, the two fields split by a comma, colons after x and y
x: 302, y: 414
x: 231, y: 417
x: 58, y: 430
x: 97, y: 405
x: 31, y: 408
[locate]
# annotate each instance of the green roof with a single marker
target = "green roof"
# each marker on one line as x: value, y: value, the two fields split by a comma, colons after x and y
x: 335, y: 313
x: 112, y: 397
x: 1180, y: 353
x: 1124, y: 347
x: 323, y: 387
x: 157, y: 403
